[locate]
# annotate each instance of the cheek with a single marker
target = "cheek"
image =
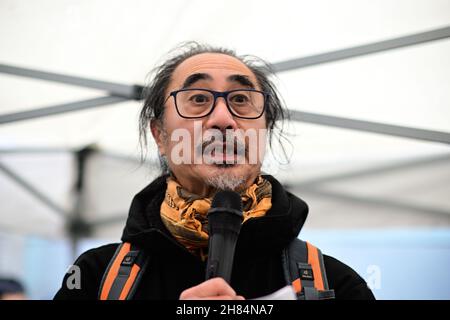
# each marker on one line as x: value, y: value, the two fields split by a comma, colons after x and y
x: 180, y: 141
x: 171, y: 123
x: 258, y: 126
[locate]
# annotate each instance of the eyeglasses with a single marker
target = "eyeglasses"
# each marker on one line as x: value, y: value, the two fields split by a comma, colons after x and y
x: 199, y: 103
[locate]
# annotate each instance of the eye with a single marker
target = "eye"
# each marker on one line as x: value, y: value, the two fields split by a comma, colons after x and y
x: 199, y: 98
x: 239, y: 99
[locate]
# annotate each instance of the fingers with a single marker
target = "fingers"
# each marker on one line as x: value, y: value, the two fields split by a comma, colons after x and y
x: 212, y: 289
x: 219, y: 298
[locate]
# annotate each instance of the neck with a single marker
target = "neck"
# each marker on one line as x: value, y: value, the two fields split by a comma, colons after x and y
x: 207, y: 187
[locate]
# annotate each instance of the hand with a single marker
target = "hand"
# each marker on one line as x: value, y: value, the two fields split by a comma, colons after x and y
x: 212, y: 289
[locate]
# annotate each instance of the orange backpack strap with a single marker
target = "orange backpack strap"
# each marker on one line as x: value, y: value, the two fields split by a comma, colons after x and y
x: 304, y: 268
x: 123, y: 273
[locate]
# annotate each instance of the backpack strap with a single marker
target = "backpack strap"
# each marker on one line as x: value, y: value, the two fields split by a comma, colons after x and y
x: 123, y: 273
x: 304, y: 268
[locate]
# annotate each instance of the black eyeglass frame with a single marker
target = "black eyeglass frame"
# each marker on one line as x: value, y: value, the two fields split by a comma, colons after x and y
x: 218, y: 94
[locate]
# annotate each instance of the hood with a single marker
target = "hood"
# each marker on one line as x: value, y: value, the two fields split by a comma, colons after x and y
x: 281, y: 224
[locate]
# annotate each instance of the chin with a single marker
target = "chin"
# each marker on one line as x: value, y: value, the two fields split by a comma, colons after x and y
x: 227, y: 176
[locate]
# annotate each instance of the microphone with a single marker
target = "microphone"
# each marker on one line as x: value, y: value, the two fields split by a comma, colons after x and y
x: 224, y: 224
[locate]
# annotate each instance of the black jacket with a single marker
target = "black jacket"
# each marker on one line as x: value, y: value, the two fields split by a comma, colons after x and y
x: 257, y: 267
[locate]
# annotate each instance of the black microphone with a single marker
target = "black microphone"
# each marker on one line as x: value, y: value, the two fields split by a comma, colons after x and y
x: 224, y: 223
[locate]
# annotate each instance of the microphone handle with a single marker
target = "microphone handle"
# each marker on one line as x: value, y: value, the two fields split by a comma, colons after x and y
x: 221, y: 256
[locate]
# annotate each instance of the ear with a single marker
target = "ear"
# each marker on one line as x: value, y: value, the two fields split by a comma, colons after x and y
x: 158, y: 135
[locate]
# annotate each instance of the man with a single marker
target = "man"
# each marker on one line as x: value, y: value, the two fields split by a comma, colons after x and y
x: 11, y: 289
x: 205, y: 95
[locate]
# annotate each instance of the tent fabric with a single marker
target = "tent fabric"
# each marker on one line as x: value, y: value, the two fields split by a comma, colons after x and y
x: 121, y: 42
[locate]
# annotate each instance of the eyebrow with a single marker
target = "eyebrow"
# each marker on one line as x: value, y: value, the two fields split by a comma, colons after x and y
x: 239, y: 78
x: 193, y: 78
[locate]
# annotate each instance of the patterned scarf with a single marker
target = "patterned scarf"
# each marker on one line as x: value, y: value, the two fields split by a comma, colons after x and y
x: 184, y: 213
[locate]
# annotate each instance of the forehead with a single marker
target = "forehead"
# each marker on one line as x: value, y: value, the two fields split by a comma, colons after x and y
x: 218, y: 65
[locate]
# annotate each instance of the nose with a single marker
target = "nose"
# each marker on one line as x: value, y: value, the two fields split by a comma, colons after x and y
x: 221, y: 118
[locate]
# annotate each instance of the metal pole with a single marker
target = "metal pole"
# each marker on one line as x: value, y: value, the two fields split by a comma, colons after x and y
x: 59, y: 109
x: 116, y: 89
x: 374, y: 127
x: 357, y: 51
x: 33, y: 191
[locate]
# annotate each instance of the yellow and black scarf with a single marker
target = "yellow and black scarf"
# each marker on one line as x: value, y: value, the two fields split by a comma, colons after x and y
x: 184, y: 213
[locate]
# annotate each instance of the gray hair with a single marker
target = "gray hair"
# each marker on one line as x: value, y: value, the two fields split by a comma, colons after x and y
x: 155, y: 91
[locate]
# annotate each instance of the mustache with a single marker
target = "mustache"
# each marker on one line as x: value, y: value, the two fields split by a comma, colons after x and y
x: 227, y: 144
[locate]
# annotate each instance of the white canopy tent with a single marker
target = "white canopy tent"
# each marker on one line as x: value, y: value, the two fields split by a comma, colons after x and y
x: 367, y: 83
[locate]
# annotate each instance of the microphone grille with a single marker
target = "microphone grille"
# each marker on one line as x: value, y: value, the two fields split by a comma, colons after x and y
x: 227, y: 199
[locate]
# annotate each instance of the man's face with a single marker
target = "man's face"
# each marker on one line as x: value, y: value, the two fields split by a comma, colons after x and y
x: 218, y: 72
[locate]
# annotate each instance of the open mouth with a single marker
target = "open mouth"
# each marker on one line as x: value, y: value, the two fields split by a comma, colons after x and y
x: 223, y: 154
